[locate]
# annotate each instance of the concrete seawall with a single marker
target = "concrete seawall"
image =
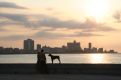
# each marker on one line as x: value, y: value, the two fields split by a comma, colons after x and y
x: 109, y: 69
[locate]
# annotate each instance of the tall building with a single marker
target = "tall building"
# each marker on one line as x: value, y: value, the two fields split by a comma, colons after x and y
x: 29, y: 45
x: 90, y: 47
x: 74, y: 47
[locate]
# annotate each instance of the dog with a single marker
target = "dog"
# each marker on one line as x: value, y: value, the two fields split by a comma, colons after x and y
x: 54, y: 57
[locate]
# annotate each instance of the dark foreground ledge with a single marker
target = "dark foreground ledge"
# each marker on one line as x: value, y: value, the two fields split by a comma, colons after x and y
x: 103, y: 69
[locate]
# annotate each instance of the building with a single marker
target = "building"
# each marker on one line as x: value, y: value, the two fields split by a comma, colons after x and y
x: 112, y: 51
x: 29, y: 45
x: 94, y: 50
x: 64, y: 48
x: 100, y: 50
x: 16, y: 51
x: 90, y: 47
x: 46, y: 49
x: 74, y: 47
x: 86, y: 50
x: 57, y: 50
x: 8, y: 51
x: 39, y: 47
x: 1, y: 50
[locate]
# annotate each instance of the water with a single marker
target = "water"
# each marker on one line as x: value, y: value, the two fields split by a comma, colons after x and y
x: 65, y: 58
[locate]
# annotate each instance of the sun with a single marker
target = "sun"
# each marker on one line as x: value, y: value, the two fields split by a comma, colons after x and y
x: 96, y: 8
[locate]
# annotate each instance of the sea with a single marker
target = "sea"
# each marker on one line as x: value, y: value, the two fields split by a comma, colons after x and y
x: 65, y: 58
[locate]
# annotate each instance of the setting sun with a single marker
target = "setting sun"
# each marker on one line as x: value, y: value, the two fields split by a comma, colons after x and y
x: 96, y: 8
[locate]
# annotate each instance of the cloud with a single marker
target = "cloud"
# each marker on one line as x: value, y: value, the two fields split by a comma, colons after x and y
x: 10, y: 5
x: 85, y: 34
x: 88, y: 25
x: 2, y: 30
x: 117, y: 16
x: 49, y: 9
x: 13, y: 37
x: 55, y: 23
x: 50, y: 35
x: 86, y: 28
x: 6, y: 23
x: 46, y: 34
x: 15, y: 19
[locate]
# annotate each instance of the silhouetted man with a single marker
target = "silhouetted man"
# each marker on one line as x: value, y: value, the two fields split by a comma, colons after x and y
x: 41, y: 62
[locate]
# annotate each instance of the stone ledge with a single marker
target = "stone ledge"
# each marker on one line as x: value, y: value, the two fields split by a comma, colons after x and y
x: 111, y: 69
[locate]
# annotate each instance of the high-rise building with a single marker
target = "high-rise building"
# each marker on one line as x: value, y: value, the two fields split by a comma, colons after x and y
x: 90, y: 46
x: 29, y: 45
x: 74, y: 47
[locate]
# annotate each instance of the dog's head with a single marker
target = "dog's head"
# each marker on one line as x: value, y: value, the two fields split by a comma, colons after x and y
x: 49, y: 55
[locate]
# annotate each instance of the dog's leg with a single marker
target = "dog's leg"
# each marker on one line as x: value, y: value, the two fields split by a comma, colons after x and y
x: 59, y: 60
x: 52, y: 61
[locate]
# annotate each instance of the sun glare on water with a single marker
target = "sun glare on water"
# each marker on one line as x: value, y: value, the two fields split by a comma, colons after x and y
x: 96, y: 8
x: 97, y: 58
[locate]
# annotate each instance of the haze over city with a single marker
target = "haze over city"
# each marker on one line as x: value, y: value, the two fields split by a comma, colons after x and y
x: 56, y: 22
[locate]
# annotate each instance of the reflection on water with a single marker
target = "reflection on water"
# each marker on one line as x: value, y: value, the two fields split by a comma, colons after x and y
x: 97, y: 58
x: 65, y: 58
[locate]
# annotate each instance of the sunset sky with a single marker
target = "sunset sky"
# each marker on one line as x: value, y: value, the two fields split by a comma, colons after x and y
x: 56, y: 22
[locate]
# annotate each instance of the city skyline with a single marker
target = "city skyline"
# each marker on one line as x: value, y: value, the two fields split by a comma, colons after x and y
x: 56, y: 22
x: 29, y: 47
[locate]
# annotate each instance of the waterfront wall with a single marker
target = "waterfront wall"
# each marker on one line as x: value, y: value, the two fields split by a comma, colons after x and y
x: 111, y: 69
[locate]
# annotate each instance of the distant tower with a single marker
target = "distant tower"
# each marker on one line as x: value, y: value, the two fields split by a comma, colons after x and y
x: 90, y: 46
x: 74, y: 41
x: 29, y: 45
x: 38, y: 47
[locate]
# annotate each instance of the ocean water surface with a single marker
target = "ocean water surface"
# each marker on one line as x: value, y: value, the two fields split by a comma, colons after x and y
x: 65, y: 58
